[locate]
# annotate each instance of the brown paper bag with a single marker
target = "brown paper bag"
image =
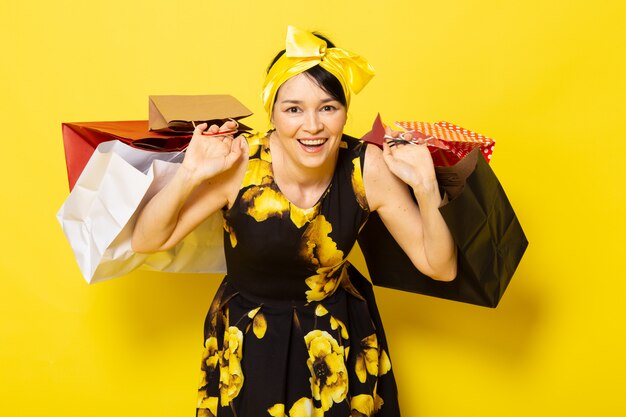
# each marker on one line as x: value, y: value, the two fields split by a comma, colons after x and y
x: 179, y: 113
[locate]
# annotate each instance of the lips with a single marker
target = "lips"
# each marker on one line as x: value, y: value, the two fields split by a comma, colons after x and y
x: 312, y: 142
x: 312, y: 145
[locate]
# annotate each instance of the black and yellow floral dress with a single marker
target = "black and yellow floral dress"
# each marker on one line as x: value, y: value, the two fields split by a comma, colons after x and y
x: 294, y: 330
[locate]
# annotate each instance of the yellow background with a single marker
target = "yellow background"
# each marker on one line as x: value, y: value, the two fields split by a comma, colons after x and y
x: 544, y: 78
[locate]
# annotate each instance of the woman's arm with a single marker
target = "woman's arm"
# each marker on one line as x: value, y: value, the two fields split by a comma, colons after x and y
x: 418, y: 228
x: 203, y: 184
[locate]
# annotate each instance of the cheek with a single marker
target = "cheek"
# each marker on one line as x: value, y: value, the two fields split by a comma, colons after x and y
x: 337, y: 124
x: 285, y: 124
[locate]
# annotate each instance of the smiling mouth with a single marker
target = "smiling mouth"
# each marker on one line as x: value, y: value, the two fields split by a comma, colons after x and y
x: 312, y: 142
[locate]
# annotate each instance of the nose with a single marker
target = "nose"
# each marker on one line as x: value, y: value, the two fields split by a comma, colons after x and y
x: 312, y: 122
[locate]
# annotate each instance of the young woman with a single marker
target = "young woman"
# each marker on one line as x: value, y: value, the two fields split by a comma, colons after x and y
x: 294, y: 329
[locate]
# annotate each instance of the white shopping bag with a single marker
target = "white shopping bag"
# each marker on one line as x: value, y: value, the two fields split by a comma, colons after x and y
x: 99, y: 215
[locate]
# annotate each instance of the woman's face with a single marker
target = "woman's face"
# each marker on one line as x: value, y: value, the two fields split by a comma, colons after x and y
x: 308, y: 122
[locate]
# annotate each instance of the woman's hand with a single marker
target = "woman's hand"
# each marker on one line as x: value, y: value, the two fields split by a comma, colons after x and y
x: 188, y: 199
x: 208, y: 156
x: 411, y: 163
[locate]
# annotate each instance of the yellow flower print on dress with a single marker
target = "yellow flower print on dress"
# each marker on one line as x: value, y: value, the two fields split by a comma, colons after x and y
x: 325, y: 282
x: 259, y: 324
x: 300, y: 216
x: 329, y: 376
x: 258, y: 147
x: 231, y: 234
x: 277, y: 410
x: 210, y: 358
x: 335, y: 323
x: 207, y: 407
x: 259, y: 169
x: 384, y: 364
x: 318, y: 248
x: 367, y: 359
x: 320, y: 251
x: 265, y: 201
x: 362, y: 405
x: 231, y: 375
x: 301, y: 408
x: 320, y: 310
x: 357, y: 184
x: 259, y: 172
x: 378, y: 403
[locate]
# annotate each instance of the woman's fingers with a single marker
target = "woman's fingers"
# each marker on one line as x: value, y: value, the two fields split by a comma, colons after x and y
x: 229, y: 125
x: 214, y: 149
x: 227, y: 128
x: 237, y: 147
x: 391, y: 132
x: 243, y: 144
x: 202, y: 129
x: 213, y: 129
x: 199, y: 128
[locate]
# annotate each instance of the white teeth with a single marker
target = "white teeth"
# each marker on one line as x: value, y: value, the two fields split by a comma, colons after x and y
x: 312, y: 142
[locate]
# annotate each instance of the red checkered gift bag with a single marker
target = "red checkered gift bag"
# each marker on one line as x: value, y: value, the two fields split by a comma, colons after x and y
x: 447, y: 142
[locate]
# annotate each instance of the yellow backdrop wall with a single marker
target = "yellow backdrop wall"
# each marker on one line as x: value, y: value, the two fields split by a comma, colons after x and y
x: 546, y: 79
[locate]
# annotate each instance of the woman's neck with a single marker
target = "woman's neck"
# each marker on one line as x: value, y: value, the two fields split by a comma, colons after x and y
x: 300, y: 184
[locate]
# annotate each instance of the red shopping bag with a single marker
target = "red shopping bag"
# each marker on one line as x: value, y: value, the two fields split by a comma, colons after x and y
x: 169, y: 128
x: 81, y: 139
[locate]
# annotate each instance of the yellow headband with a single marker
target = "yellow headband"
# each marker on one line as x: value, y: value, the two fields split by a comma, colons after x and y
x: 303, y: 50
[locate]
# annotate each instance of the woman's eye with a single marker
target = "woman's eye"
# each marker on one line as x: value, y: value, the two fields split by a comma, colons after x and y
x: 328, y: 108
x: 293, y: 110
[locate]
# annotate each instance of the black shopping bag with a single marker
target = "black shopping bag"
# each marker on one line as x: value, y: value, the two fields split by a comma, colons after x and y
x: 490, y: 240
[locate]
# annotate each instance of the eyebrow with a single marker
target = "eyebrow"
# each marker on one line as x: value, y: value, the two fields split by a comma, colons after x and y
x: 326, y: 100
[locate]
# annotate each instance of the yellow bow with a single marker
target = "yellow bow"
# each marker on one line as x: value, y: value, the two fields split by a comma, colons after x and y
x: 305, y: 50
